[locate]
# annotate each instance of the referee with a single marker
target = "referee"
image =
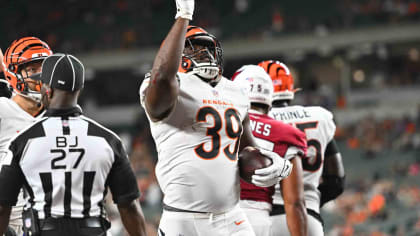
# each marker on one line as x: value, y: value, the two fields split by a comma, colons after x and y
x: 66, y: 162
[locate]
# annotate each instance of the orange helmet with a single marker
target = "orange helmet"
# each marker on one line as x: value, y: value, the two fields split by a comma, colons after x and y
x: 207, y: 61
x: 20, y: 52
x: 282, y: 79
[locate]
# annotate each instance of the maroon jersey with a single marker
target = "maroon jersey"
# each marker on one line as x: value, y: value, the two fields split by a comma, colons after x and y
x: 275, y: 136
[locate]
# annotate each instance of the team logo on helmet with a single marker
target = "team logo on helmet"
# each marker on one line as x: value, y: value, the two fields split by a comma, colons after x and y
x: 21, y: 52
x: 283, y: 81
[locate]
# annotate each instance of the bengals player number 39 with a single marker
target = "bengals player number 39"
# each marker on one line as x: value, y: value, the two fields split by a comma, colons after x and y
x: 199, y: 121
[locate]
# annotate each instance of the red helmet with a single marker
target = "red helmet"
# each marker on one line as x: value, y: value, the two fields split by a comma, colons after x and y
x: 20, y: 52
x: 211, y: 51
x: 282, y: 79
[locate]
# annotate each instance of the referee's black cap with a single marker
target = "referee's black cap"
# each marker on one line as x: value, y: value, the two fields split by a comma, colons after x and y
x: 62, y: 71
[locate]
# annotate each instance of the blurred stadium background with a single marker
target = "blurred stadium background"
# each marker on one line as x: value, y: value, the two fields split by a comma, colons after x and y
x: 358, y: 58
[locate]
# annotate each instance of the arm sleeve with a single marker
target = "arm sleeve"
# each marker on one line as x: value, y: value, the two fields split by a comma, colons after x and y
x: 331, y: 188
x: 332, y: 148
x: 11, y: 178
x: 121, y: 179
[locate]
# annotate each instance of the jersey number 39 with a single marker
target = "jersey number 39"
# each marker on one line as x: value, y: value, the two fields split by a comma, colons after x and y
x: 213, y: 132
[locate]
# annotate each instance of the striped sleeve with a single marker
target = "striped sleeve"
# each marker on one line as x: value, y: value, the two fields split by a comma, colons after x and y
x: 11, y: 177
x: 121, y: 179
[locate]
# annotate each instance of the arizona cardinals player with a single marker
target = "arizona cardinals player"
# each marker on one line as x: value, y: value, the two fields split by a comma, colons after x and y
x: 22, y: 59
x: 323, y: 168
x: 281, y: 138
x: 197, y: 118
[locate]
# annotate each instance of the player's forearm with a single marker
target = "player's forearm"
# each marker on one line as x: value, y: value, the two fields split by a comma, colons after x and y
x: 168, y: 57
x: 4, y: 218
x: 163, y: 87
x: 294, y: 200
x: 133, y: 219
x: 296, y: 217
x: 247, y: 139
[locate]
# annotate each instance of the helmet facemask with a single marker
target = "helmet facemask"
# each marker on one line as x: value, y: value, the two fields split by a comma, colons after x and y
x: 17, y: 58
x: 26, y: 86
x: 203, y: 57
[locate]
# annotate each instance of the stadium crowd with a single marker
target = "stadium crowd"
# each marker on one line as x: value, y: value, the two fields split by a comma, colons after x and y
x: 373, y: 136
x: 125, y: 24
x: 78, y: 27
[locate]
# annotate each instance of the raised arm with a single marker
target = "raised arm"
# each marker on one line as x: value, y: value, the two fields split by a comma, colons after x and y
x: 163, y: 88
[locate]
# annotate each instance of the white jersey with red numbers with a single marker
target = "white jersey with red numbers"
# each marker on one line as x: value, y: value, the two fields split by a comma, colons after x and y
x: 319, y: 127
x: 12, y: 120
x: 197, y: 145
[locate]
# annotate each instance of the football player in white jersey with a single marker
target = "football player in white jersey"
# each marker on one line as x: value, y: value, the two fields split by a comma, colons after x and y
x: 199, y: 120
x: 323, y: 174
x: 22, y: 59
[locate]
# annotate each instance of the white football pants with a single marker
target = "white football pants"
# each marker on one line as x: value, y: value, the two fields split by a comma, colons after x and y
x: 279, y: 226
x: 258, y: 214
x: 230, y: 223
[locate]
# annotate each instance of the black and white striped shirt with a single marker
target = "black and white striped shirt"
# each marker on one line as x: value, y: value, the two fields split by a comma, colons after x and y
x: 65, y: 162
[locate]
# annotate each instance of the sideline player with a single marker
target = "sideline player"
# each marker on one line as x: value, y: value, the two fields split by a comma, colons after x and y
x: 281, y: 138
x: 323, y: 167
x: 197, y: 119
x: 22, y: 59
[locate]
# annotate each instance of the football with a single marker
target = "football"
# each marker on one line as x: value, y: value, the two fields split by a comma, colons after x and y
x: 251, y: 159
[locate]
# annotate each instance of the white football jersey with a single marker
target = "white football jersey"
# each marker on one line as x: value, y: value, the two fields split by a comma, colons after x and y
x: 12, y: 120
x: 319, y: 127
x: 197, y: 145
